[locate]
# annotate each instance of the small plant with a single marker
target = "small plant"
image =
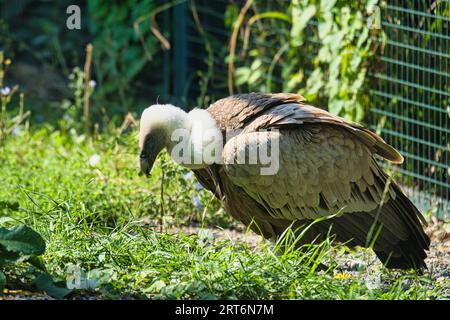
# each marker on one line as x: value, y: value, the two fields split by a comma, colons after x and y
x: 22, y: 244
x: 73, y: 116
x: 18, y: 244
x: 9, y: 124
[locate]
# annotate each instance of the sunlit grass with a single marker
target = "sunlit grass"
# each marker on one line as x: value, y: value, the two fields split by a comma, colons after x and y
x: 85, y: 197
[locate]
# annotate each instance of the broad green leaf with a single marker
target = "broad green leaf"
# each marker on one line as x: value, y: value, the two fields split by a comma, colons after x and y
x: 156, y: 286
x: 22, y: 239
x: 231, y: 14
x: 314, y: 84
x: 333, y: 88
x: 45, y: 282
x: 327, y: 5
x: 377, y: 18
x: 254, y: 53
x: 296, y: 79
x: 345, y: 17
x: 134, y: 68
x: 355, y: 64
x: 7, y: 257
x: 324, y: 54
x: 335, y: 67
x: 371, y: 5
x: 2, y: 281
x: 359, y: 21
x: 363, y: 37
x: 358, y: 82
x: 256, y: 64
x: 335, y: 40
x: 255, y: 76
x: 325, y: 28
x: 37, y: 262
x: 335, y: 106
x: 359, y: 115
x: 242, y: 75
x: 300, y: 18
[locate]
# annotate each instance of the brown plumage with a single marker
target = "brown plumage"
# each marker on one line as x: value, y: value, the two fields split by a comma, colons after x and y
x: 327, y: 166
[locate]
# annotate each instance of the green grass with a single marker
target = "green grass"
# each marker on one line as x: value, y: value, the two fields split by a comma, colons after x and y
x: 103, y: 219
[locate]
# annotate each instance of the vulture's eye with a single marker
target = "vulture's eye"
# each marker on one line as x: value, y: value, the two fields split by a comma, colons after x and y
x: 142, y: 156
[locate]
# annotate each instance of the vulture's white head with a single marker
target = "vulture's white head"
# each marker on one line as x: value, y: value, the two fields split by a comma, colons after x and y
x: 166, y: 126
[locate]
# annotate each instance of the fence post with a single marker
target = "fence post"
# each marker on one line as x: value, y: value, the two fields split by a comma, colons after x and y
x: 179, y: 70
x: 166, y: 53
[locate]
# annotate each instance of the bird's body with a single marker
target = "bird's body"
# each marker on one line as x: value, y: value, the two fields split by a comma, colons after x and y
x: 325, y: 168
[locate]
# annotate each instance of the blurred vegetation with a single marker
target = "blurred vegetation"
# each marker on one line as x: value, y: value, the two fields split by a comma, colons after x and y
x: 45, y: 53
x: 124, y: 51
x: 320, y: 49
x: 35, y: 32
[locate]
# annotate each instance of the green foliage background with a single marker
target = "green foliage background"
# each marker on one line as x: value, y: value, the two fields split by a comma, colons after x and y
x: 320, y: 49
x: 124, y: 47
x: 125, y: 52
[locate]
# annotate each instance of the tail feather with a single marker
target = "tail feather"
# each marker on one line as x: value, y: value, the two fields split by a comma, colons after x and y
x: 401, y: 242
x: 410, y: 252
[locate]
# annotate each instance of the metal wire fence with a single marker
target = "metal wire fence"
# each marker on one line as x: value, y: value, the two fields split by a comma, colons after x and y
x: 411, y: 88
x: 412, y: 96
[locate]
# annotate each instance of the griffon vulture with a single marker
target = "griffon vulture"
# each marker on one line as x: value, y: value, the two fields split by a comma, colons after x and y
x: 326, y: 168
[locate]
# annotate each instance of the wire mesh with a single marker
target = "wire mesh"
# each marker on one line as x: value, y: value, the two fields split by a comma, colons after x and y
x: 412, y: 95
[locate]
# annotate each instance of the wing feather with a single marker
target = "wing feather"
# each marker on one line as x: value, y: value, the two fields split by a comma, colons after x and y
x: 257, y: 111
x: 306, y: 173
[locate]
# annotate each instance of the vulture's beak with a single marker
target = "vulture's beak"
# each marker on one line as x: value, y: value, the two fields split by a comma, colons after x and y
x: 146, y: 161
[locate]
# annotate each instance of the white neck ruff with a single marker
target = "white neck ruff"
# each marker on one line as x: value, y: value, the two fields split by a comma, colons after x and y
x: 194, y: 138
